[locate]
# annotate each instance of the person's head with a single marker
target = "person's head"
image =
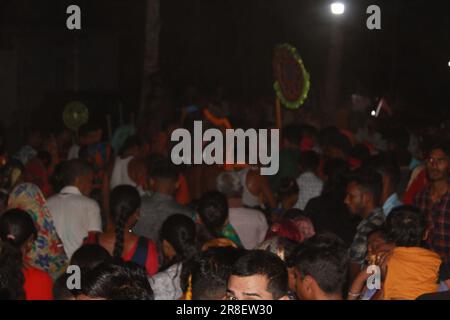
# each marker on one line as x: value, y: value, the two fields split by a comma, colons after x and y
x: 292, y: 136
x: 178, y: 238
x: 213, y: 212
x: 285, y: 228
x: 229, y: 184
x: 45, y: 157
x: 390, y: 174
x: 288, y: 193
x: 17, y: 234
x: 376, y: 241
x: 336, y: 177
x: 406, y: 226
x: 80, y: 174
x: 124, y: 206
x: 89, y: 256
x: 115, y: 281
x: 209, y: 272
x: 138, y: 172
x: 164, y: 177
x: 34, y: 138
x: 360, y: 152
x: 281, y: 246
x: 334, y: 144
x: 309, y: 161
x: 60, y: 289
x: 437, y: 162
x: 258, y: 275
x: 12, y: 174
x: 321, y: 268
x: 292, y: 214
x: 363, y: 191
x: 131, y: 147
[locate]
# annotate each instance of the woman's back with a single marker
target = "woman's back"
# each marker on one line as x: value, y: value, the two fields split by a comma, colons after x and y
x: 141, y: 250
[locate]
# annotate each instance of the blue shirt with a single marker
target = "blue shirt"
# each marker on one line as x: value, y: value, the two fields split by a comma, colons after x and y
x: 392, y: 202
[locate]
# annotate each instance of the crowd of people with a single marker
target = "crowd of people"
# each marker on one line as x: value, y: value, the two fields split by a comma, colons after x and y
x: 342, y: 210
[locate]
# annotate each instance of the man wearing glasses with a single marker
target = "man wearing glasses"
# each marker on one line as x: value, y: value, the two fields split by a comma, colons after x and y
x: 434, y: 200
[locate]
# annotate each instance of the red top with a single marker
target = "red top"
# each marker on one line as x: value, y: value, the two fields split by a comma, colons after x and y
x: 151, y: 262
x: 418, y: 184
x: 38, y: 284
x: 145, y: 256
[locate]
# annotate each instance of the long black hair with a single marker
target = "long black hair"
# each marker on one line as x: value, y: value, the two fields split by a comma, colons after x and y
x: 124, y: 201
x: 16, y: 227
x: 213, y: 210
x: 180, y: 232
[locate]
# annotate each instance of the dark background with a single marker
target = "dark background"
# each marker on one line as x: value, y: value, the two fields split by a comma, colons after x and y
x: 211, y: 42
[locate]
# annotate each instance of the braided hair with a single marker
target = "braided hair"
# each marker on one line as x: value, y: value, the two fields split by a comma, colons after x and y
x: 16, y: 227
x: 124, y: 201
x: 180, y: 232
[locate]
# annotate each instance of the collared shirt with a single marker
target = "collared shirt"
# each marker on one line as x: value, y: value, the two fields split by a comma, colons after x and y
x: 74, y: 215
x: 358, y: 249
x: 392, y: 202
x: 438, y: 217
x: 155, y: 209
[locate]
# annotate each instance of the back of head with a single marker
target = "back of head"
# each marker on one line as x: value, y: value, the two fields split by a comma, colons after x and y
x: 131, y: 142
x: 229, y: 184
x: 386, y: 167
x: 309, y: 161
x: 440, y: 144
x: 288, y: 187
x: 213, y: 210
x: 180, y: 232
x: 116, y: 281
x: 292, y: 214
x: 267, y: 264
x: 325, y: 259
x: 368, y: 180
x: 210, y: 271
x: 89, y: 256
x: 73, y: 169
x: 281, y: 246
x: 124, y: 202
x: 16, y: 228
x: 406, y: 226
x: 337, y: 172
x: 164, y: 172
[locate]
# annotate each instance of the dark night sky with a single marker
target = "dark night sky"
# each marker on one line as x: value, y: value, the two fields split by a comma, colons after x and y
x: 208, y: 42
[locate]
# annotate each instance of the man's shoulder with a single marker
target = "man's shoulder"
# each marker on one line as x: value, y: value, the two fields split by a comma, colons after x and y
x: 74, y: 198
x: 149, y: 202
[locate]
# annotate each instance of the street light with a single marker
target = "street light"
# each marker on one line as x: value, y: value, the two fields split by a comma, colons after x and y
x: 337, y: 8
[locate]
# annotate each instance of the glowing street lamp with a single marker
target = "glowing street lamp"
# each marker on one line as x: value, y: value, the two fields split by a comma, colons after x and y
x: 337, y: 8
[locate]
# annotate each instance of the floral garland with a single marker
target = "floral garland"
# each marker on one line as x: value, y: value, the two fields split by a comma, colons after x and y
x: 306, y: 81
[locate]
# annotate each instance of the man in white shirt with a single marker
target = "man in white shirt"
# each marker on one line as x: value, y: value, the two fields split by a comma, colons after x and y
x: 250, y: 224
x: 75, y: 215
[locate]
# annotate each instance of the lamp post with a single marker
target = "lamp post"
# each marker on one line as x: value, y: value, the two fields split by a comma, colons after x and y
x: 334, y: 60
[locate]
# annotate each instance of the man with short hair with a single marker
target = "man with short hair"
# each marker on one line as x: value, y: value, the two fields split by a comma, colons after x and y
x: 434, y: 200
x: 75, y: 215
x: 258, y: 275
x: 210, y: 272
x: 155, y: 209
x: 321, y: 267
x: 363, y: 199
